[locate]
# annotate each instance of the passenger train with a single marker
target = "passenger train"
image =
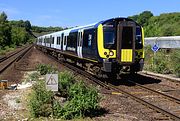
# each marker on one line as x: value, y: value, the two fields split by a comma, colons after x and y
x: 107, y: 47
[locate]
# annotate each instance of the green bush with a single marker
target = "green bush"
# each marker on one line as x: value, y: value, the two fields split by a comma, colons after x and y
x: 175, y: 59
x: 2, y: 52
x: 65, y: 79
x: 34, y: 76
x: 158, y: 62
x: 83, y: 98
x: 161, y: 63
x: 82, y: 101
x: 44, y: 69
x: 6, y: 49
x: 40, y: 102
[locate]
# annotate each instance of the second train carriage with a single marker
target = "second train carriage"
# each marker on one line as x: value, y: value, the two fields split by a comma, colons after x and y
x: 109, y: 46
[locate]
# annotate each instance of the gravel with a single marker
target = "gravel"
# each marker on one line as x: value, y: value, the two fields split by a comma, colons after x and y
x: 117, y: 106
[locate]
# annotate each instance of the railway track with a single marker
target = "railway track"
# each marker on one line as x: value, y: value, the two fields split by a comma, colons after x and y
x: 156, y: 105
x: 156, y: 92
x: 159, y: 76
x: 7, y: 61
x: 3, y: 58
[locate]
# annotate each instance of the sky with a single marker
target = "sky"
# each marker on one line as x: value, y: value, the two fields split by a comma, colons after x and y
x: 70, y: 13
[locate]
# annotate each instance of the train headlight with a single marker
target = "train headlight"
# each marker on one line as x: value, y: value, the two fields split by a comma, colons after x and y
x: 111, y: 53
x: 141, y: 53
x: 105, y: 53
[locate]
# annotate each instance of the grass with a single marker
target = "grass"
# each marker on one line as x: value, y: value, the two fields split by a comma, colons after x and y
x: 81, y: 100
x: 6, y: 49
x: 163, y: 61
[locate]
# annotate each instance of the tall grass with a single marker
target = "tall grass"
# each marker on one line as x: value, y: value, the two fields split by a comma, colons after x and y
x: 163, y: 61
x: 81, y: 100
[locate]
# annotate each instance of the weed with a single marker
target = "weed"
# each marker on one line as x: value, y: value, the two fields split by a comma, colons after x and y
x: 82, y: 101
x: 157, y: 62
x: 34, y: 76
x: 40, y: 102
x: 66, y: 80
x: 175, y: 57
x: 44, y: 69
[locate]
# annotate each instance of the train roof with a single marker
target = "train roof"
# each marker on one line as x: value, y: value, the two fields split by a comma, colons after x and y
x: 94, y: 25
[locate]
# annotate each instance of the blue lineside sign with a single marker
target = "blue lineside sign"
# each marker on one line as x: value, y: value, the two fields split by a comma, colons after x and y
x: 155, y: 48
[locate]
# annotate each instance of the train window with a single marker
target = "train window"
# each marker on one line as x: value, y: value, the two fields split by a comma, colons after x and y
x: 65, y: 40
x: 127, y: 38
x: 88, y: 38
x: 52, y: 40
x: 81, y: 41
x: 45, y: 40
x: 138, y: 43
x: 109, y: 33
x: 58, y: 40
x: 72, y: 41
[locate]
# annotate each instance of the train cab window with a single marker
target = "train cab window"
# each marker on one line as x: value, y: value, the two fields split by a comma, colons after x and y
x: 127, y: 38
x: 109, y: 33
x: 138, y: 43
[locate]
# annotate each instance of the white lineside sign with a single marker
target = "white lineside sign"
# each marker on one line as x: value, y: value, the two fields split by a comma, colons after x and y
x: 52, y: 82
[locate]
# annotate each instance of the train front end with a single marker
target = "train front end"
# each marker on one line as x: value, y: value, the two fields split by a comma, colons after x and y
x: 121, y: 45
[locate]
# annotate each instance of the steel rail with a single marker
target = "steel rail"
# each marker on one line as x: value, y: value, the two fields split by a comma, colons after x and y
x: 110, y: 86
x: 173, y: 116
x: 10, y: 55
x: 154, y: 91
x: 18, y: 56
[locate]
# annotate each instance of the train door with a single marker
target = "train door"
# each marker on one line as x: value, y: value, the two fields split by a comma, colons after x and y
x: 50, y: 41
x: 55, y: 41
x: 79, y: 43
x: 61, y: 43
x: 126, y: 32
x: 64, y: 42
x: 45, y: 41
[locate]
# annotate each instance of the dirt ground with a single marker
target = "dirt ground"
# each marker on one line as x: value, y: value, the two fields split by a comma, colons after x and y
x: 13, y: 102
x: 118, y: 107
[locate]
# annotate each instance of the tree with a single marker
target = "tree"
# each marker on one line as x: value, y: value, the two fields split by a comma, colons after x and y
x: 144, y: 17
x: 5, y: 31
x: 167, y: 24
x: 3, y: 17
x: 135, y: 17
x: 27, y: 25
x: 19, y: 36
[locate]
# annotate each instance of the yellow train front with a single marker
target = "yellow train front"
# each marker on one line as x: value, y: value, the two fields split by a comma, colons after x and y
x: 108, y: 47
x: 120, y: 43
